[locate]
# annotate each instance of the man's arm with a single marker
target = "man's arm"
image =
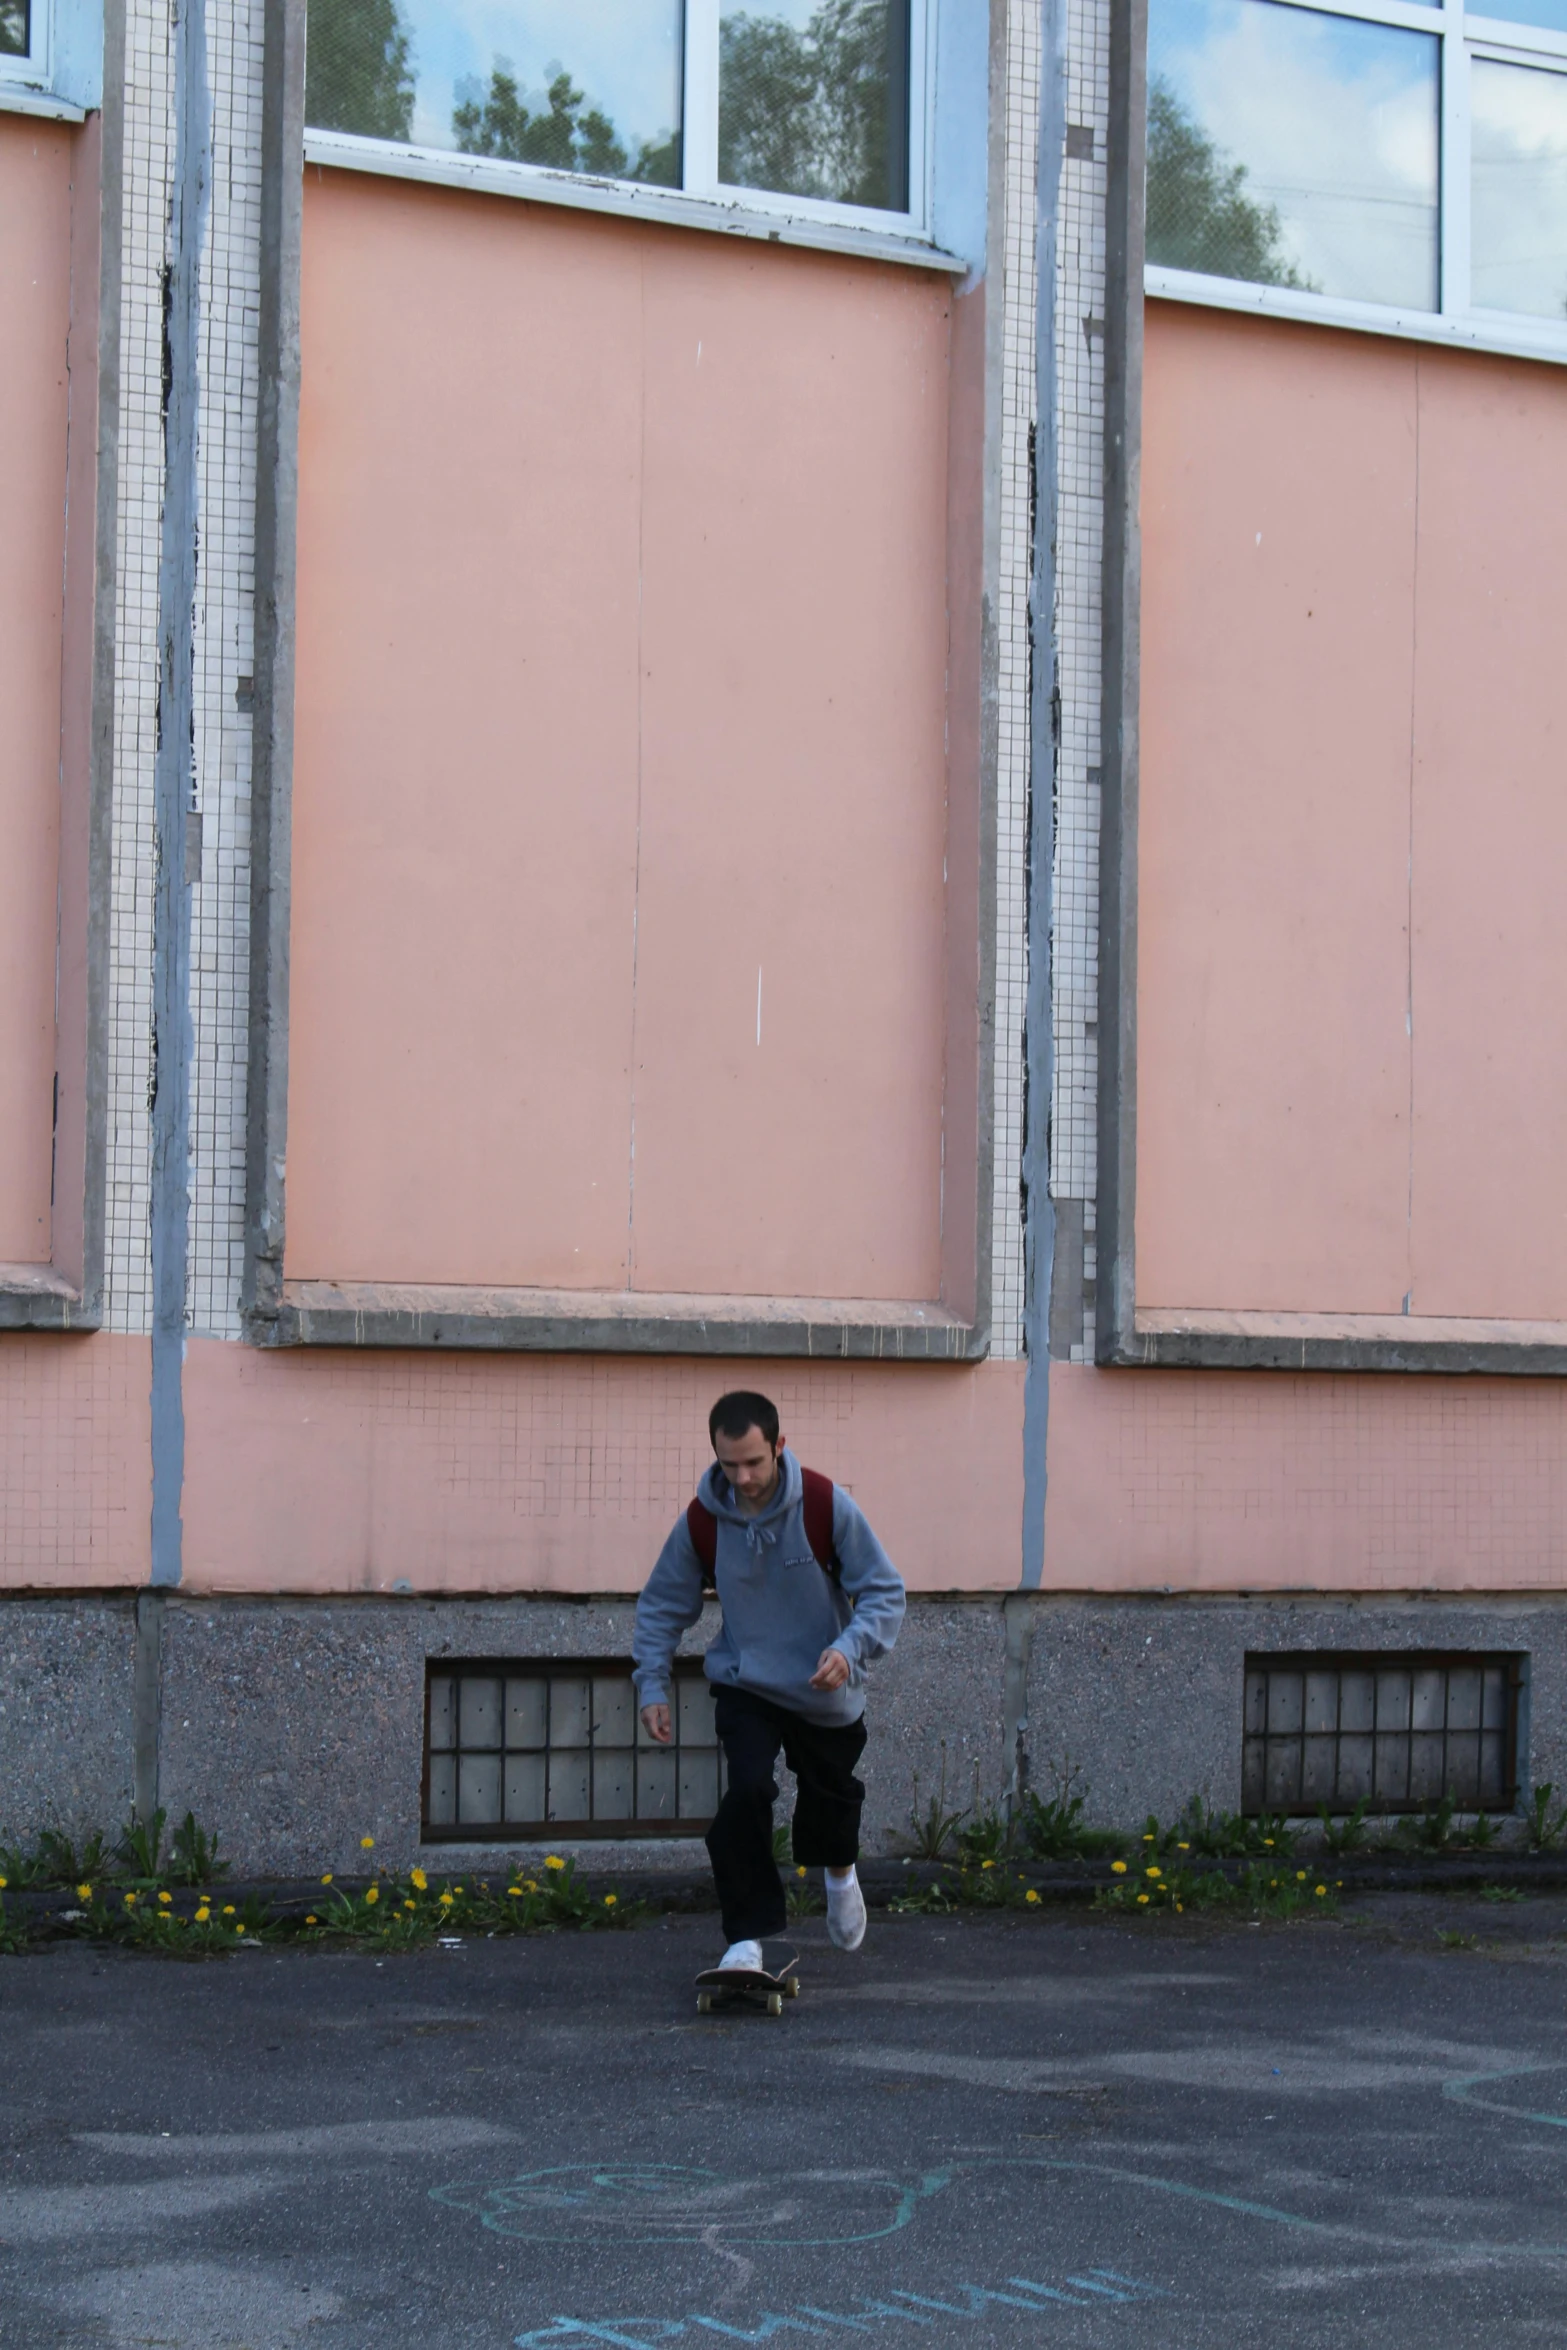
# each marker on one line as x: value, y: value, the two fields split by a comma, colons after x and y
x: 871, y: 1584
x: 669, y: 1603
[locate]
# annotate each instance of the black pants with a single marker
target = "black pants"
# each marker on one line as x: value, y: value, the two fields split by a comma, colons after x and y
x: 826, y: 1813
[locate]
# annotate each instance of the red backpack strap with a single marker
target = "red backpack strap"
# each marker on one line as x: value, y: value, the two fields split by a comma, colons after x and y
x: 702, y: 1527
x: 816, y: 1500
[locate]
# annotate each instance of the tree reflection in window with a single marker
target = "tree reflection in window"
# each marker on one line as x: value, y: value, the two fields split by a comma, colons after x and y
x: 818, y: 107
x: 358, y: 69
x: 555, y: 131
x: 14, y: 36
x: 1199, y: 214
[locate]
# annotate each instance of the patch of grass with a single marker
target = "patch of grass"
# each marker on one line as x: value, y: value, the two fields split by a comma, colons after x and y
x: 1450, y: 1940
x: 931, y: 1830
x: 1501, y: 1893
x: 1267, y: 1890
x: 1054, y: 1828
x: 986, y: 1884
x: 193, y: 1855
x: 1345, y: 1834
x: 1542, y: 1825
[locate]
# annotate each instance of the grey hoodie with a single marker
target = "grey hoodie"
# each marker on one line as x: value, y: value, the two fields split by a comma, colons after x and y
x: 780, y: 1608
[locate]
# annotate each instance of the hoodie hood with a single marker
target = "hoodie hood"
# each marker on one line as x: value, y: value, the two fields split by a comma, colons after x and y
x: 761, y: 1531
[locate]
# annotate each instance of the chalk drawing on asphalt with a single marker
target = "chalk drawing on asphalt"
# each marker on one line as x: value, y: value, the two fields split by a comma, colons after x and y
x: 674, y: 2203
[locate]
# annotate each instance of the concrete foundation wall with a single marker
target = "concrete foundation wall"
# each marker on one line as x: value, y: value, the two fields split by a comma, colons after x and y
x: 294, y: 1727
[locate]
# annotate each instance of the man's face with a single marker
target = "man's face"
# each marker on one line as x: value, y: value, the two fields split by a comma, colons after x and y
x: 750, y: 1463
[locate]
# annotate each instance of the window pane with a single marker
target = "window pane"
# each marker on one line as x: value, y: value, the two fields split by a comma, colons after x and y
x: 813, y: 100
x: 1547, y: 12
x: 13, y: 28
x: 1290, y: 148
x: 536, y: 81
x: 1519, y: 253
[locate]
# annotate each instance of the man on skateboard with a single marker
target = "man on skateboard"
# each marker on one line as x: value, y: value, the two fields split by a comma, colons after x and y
x: 787, y: 1669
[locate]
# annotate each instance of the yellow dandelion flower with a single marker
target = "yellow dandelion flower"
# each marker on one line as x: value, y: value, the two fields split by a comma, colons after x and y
x: 228, y: 1909
x: 327, y: 1879
x: 4, y: 1881
x: 310, y: 1921
x: 418, y: 1880
x: 1300, y: 1876
x: 1321, y: 1889
x: 130, y: 1901
x: 987, y: 1864
x: 514, y: 1892
x: 1268, y: 1840
x: 552, y: 1860
x: 240, y: 1928
x: 1031, y: 1895
x: 1180, y: 1905
x: 1118, y: 1868
x: 530, y: 1884
x: 799, y: 1872
x: 1141, y: 1899
x: 373, y: 1895
x: 410, y: 1905
x: 202, y: 1915
x: 367, y: 1844
x: 165, y: 1897
x: 84, y: 1893
x: 1153, y: 1872
x: 610, y: 1900
x: 446, y: 1901
x: 1150, y: 1838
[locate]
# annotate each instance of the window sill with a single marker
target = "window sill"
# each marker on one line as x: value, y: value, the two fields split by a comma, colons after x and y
x: 36, y: 1297
x: 14, y: 99
x: 1509, y: 335
x: 670, y: 207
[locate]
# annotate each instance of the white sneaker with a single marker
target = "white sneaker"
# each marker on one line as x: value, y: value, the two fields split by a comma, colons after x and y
x: 747, y: 1956
x: 845, y: 1914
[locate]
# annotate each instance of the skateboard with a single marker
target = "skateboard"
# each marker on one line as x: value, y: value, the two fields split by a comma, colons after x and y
x: 766, y: 1987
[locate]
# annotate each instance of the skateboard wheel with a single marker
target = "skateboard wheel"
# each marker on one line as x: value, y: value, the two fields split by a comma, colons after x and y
x: 775, y: 2003
x: 704, y: 2003
x: 791, y: 1987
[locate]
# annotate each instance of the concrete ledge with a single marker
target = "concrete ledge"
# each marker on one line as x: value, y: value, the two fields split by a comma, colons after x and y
x: 566, y: 1321
x: 66, y: 1728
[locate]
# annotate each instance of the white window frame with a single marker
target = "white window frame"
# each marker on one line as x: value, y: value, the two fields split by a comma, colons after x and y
x: 61, y: 77
x: 702, y: 200
x: 1461, y: 34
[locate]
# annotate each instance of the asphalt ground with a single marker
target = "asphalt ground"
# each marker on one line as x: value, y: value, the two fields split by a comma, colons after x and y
x: 1062, y: 2129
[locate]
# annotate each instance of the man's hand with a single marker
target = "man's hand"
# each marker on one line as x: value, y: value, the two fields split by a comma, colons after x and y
x: 832, y: 1670
x: 655, y: 1721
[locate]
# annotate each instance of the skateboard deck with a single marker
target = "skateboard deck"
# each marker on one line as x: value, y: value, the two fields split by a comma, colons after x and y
x: 765, y: 1987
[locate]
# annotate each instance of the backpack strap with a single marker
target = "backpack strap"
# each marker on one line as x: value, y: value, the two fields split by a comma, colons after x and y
x: 702, y: 1527
x: 816, y: 1501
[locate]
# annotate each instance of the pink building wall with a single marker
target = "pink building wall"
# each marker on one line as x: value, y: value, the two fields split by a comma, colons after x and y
x: 1352, y: 983
x: 35, y: 304
x: 619, y: 823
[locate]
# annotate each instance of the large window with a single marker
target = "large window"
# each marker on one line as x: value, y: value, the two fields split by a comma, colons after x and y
x: 788, y: 102
x: 1396, y: 157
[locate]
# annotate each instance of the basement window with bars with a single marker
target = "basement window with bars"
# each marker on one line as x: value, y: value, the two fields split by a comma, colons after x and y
x: 1398, y: 1731
x: 517, y: 1749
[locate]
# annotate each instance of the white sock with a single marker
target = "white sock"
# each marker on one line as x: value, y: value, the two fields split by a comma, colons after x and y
x: 839, y: 1886
x: 747, y: 1955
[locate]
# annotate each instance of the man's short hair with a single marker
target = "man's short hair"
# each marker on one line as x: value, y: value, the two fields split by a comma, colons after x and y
x: 733, y: 1414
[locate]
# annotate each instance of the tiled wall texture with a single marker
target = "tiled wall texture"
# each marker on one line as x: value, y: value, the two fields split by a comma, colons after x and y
x: 1018, y: 295
x: 220, y: 908
x: 148, y: 166
x: 1080, y: 304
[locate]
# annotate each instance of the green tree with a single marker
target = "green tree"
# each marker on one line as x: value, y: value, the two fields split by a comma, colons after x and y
x: 358, y: 76
x: 823, y: 112
x: 565, y: 133
x: 1199, y: 214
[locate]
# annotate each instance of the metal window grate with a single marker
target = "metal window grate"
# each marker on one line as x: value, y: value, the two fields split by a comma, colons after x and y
x: 1399, y: 1730
x: 526, y: 1747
